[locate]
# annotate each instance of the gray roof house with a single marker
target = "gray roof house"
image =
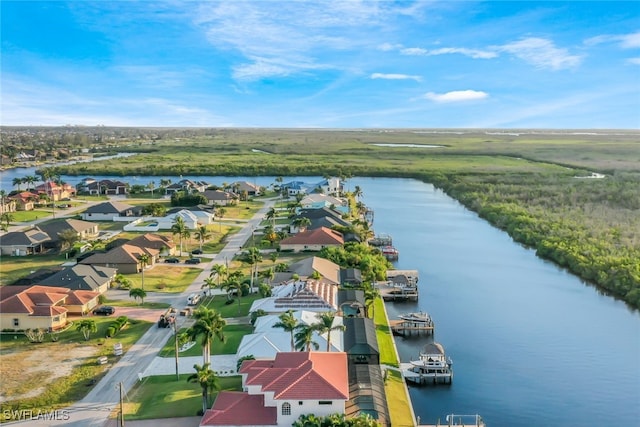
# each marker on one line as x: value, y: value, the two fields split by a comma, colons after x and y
x: 107, y: 210
x: 22, y: 243
x: 360, y: 342
x: 82, y: 277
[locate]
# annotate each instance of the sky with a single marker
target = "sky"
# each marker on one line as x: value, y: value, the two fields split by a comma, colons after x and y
x: 329, y: 64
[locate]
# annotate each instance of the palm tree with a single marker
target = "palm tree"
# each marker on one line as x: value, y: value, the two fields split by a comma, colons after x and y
x: 67, y: 238
x: 208, y: 325
x: 273, y: 256
x: 371, y: 293
x: 268, y: 274
x: 179, y: 228
x: 325, y: 325
x: 304, y: 337
x: 29, y: 179
x: 357, y: 192
x: 219, y: 270
x: 5, y: 220
x: 271, y: 216
x: 288, y: 323
x: 207, y: 379
x: 301, y: 223
x: 202, y: 234
x: 17, y: 182
x: 144, y: 261
x: 138, y: 293
x: 209, y: 283
x: 220, y: 212
x: 151, y: 185
x: 234, y: 284
x: 252, y: 257
x: 87, y: 327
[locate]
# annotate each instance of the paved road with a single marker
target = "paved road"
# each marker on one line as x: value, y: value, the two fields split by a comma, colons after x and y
x: 94, y: 409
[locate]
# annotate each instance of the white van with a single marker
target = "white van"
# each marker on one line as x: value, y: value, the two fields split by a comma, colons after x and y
x: 193, y: 299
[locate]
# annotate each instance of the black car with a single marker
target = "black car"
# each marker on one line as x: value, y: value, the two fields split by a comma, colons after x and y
x: 105, y: 310
x: 193, y: 261
x: 197, y: 251
x: 172, y: 260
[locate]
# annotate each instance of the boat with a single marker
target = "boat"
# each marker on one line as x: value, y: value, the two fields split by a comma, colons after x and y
x: 381, y: 240
x: 433, y: 366
x: 417, y: 317
x: 390, y: 252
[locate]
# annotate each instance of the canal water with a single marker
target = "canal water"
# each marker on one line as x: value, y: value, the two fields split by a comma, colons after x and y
x: 531, y: 344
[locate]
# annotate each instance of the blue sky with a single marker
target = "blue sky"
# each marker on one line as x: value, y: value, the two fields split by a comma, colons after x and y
x: 341, y: 64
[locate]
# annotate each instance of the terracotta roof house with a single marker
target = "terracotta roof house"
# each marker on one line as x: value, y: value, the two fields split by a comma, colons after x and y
x: 25, y: 200
x: 24, y: 307
x: 276, y: 392
x: 82, y: 277
x: 84, y: 230
x: 219, y: 197
x: 312, y: 240
x: 8, y: 204
x: 164, y: 244
x: 310, y: 295
x: 55, y: 191
x: 125, y: 258
x: 108, y: 210
x: 21, y: 243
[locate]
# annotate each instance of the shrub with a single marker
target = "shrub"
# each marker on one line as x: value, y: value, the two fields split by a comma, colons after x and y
x: 161, y: 285
x: 111, y: 331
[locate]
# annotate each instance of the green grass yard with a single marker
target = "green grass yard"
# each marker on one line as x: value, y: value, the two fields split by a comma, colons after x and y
x: 165, y: 397
x: 233, y: 335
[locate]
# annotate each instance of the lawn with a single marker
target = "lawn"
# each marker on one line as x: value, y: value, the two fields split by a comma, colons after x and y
x: 26, y: 216
x: 25, y: 367
x: 162, y: 278
x: 233, y: 335
x: 15, y: 267
x: 397, y: 399
x: 165, y: 397
x: 388, y: 355
x: 218, y: 303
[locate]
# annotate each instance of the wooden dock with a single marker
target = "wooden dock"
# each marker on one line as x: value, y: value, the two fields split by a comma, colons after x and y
x: 407, y: 327
x: 401, y: 285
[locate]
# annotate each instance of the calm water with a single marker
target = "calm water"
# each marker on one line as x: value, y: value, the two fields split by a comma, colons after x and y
x: 531, y: 344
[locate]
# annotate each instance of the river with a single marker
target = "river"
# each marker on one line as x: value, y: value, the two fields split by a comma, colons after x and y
x: 532, y: 345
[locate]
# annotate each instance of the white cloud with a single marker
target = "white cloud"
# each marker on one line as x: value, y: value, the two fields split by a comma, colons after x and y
x: 472, y: 53
x: 456, y: 96
x: 395, y: 77
x: 625, y: 41
x: 542, y: 53
x: 635, y: 61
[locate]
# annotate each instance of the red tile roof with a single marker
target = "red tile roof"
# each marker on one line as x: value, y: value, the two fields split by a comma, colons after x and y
x: 238, y: 408
x: 41, y: 300
x: 317, y: 236
x: 301, y: 375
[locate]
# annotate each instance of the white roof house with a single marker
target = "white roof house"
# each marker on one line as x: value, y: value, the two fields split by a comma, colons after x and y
x: 190, y: 220
x: 267, y: 341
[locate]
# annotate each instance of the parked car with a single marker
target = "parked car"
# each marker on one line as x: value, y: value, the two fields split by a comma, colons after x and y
x: 193, y: 261
x: 197, y: 252
x: 172, y: 260
x: 105, y: 310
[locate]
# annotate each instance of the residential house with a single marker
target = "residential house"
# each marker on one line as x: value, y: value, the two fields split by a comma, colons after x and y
x: 189, y: 218
x: 55, y: 191
x: 277, y: 392
x: 367, y: 394
x: 21, y: 243
x: 351, y: 277
x: 186, y: 185
x: 125, y: 258
x: 311, y: 295
x: 219, y: 197
x: 294, y: 188
x: 108, y: 210
x: 105, y: 187
x: 82, y: 277
x: 360, y: 341
x: 331, y: 186
x: 312, y: 240
x: 244, y: 187
x: 324, y: 269
x: 266, y: 341
x: 351, y: 303
x: 83, y: 230
x: 24, y: 200
x: 319, y: 200
x: 28, y: 307
x: 7, y: 205
x: 164, y: 244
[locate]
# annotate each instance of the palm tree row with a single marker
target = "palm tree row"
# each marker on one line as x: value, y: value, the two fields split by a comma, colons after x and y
x: 302, y: 334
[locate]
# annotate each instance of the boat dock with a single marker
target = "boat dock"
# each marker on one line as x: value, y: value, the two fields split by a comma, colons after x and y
x: 458, y: 420
x: 401, y: 285
x: 432, y: 367
x: 412, y: 322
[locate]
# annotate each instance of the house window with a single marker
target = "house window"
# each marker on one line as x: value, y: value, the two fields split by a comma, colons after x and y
x: 325, y: 402
x: 286, y: 408
x: 16, y: 322
x: 56, y: 318
x: 300, y: 402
